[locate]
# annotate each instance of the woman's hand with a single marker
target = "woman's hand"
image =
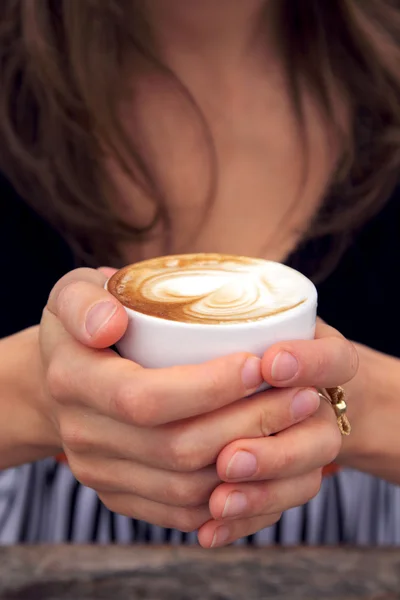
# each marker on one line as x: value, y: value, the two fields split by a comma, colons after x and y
x: 267, y: 475
x: 147, y: 440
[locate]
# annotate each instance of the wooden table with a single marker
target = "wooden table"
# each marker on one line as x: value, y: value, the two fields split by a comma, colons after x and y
x: 151, y: 573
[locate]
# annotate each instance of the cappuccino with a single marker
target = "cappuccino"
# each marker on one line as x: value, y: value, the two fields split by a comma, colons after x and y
x: 212, y: 289
x: 188, y: 309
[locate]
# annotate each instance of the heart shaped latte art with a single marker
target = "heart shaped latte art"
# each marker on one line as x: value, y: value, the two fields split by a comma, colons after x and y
x: 210, y: 289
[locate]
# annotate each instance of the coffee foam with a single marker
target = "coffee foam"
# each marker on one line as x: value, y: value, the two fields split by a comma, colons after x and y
x: 209, y: 288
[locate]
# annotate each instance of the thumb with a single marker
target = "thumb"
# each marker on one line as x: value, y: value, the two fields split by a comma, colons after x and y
x: 107, y: 271
x: 87, y: 311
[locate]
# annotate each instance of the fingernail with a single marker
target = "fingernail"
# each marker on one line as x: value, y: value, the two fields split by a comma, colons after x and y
x: 242, y: 464
x: 251, y: 373
x: 284, y: 367
x: 236, y: 503
x: 99, y: 316
x: 221, y: 535
x: 305, y: 403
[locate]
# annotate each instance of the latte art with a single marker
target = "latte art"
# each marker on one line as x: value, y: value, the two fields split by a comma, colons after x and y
x: 209, y: 288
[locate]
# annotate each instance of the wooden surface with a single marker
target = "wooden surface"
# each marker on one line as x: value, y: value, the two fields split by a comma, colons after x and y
x: 149, y: 573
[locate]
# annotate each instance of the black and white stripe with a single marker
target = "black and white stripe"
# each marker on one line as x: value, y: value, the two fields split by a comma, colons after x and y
x: 43, y: 502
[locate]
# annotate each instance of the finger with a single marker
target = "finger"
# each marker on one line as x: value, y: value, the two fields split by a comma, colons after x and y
x: 120, y: 389
x: 86, y: 310
x: 189, y: 445
x: 214, y: 534
x: 127, y: 477
x: 93, y: 276
x: 246, y: 500
x: 327, y: 361
x: 309, y: 445
x: 107, y: 271
x: 183, y: 519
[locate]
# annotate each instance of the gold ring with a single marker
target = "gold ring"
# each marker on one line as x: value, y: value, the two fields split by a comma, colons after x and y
x: 336, y: 397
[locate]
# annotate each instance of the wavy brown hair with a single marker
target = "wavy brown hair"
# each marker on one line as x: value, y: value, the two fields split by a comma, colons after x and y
x: 62, y: 74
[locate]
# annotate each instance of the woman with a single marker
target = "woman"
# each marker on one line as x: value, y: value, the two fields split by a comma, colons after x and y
x: 255, y: 127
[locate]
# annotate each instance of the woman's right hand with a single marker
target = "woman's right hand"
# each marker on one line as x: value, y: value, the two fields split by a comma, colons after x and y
x: 146, y: 439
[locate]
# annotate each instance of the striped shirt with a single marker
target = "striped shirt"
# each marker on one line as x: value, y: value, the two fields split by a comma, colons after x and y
x: 43, y: 502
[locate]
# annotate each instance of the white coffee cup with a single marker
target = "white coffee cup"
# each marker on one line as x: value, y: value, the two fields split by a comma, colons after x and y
x: 155, y: 342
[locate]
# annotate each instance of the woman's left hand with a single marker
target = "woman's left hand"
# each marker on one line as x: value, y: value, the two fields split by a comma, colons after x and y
x: 265, y: 476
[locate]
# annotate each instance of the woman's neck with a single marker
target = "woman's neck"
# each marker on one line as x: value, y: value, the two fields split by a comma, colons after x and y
x: 218, y: 33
